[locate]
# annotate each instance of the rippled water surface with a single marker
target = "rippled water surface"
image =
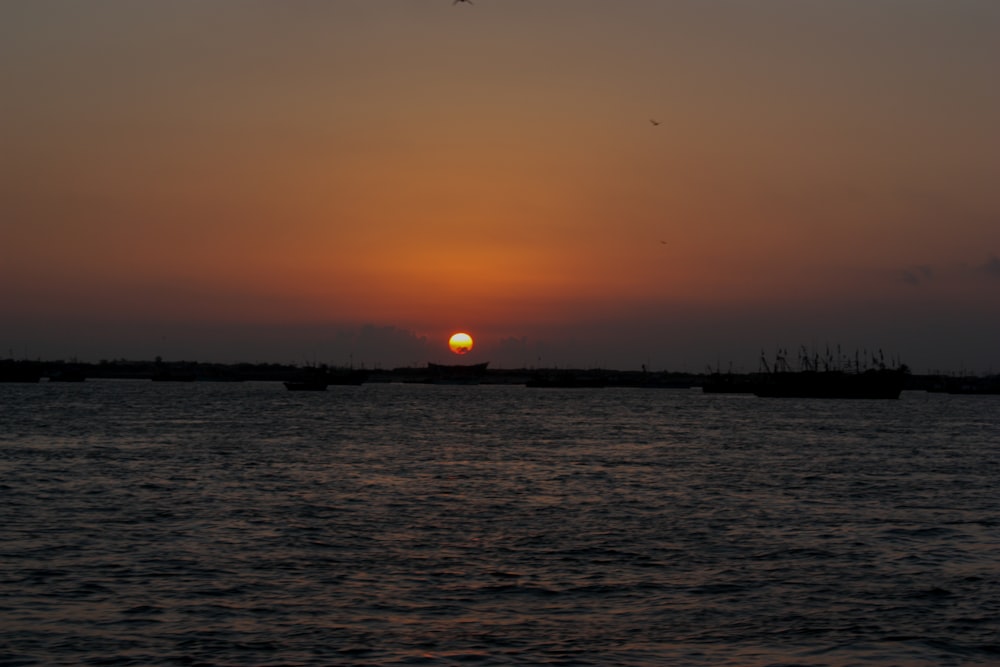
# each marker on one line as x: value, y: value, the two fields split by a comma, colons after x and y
x: 240, y: 524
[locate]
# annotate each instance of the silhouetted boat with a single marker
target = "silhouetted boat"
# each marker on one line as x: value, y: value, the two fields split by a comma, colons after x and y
x: 969, y: 385
x: 455, y: 373
x: 717, y: 382
x: 166, y: 374
x: 346, y: 376
x: 20, y: 371
x: 67, y: 375
x: 885, y: 383
x: 812, y: 381
x: 729, y: 383
x: 318, y: 379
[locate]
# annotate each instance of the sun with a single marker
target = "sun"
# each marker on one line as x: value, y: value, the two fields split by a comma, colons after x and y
x: 460, y: 343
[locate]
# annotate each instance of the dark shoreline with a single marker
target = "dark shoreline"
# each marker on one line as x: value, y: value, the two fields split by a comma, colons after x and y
x: 194, y: 371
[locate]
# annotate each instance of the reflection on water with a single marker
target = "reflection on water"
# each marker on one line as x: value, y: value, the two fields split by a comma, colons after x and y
x: 223, y: 524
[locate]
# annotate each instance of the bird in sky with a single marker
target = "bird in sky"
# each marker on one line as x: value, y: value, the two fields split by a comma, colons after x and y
x: 654, y: 122
x: 458, y: 1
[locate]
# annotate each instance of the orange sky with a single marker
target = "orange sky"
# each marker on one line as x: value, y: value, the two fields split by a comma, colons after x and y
x: 242, y: 180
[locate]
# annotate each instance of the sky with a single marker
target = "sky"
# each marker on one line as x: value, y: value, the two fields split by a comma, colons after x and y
x: 665, y: 184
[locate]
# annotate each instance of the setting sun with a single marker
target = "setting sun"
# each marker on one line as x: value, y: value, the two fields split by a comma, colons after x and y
x: 460, y: 343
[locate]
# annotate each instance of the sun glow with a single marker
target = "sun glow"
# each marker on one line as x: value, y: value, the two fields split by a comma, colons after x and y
x: 460, y: 343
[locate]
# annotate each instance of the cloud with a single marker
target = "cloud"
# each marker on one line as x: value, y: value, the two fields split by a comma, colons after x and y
x: 991, y: 269
x: 964, y: 272
x: 917, y: 274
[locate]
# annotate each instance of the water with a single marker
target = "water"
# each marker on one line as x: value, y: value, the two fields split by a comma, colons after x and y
x: 240, y: 524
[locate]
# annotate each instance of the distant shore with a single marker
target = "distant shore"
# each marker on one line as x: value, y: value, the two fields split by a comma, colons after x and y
x: 194, y: 371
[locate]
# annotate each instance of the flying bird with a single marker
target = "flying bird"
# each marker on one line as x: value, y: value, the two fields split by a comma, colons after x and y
x: 458, y: 1
x: 654, y: 122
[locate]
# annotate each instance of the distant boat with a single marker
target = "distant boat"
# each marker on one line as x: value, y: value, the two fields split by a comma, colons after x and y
x: 455, y: 373
x: 969, y: 385
x: 729, y: 383
x: 884, y: 383
x: 346, y: 376
x: 167, y: 374
x: 67, y: 375
x: 717, y: 382
x: 819, y: 379
x: 318, y: 379
x: 20, y: 371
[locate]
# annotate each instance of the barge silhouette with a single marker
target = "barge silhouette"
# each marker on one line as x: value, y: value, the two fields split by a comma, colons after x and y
x: 823, y: 378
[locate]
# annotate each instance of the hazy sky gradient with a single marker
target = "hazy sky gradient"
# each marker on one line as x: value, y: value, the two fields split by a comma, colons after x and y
x: 353, y: 180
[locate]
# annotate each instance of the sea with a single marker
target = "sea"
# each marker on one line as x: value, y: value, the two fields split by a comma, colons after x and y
x: 240, y: 524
